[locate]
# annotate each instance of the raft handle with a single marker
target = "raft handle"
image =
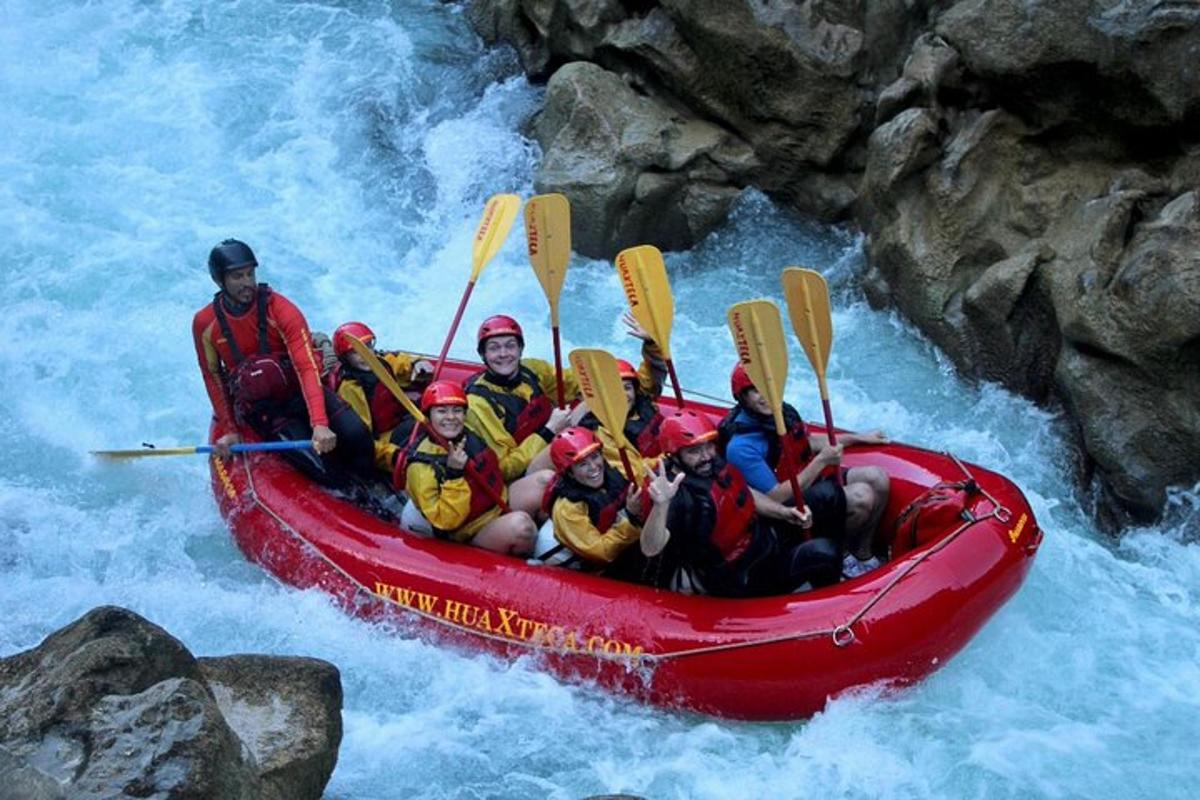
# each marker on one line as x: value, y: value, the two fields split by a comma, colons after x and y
x: 843, y: 636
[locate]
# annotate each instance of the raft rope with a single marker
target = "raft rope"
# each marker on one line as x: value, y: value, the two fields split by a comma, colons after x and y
x: 841, y: 635
x: 530, y: 644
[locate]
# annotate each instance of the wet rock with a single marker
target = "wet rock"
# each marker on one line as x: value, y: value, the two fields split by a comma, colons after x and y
x: 788, y: 79
x: 287, y: 711
x: 635, y: 170
x: 1130, y: 61
x: 113, y: 705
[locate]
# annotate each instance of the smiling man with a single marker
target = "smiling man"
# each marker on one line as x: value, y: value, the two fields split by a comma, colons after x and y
x: 723, y: 537
x: 256, y: 355
x: 510, y: 405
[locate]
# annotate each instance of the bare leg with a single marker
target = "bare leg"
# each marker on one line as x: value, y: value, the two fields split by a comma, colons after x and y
x: 860, y: 502
x: 512, y: 534
x: 540, y: 462
x: 525, y: 494
x: 881, y: 487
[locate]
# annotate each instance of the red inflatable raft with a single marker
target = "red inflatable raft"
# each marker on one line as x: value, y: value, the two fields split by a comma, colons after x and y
x: 771, y: 658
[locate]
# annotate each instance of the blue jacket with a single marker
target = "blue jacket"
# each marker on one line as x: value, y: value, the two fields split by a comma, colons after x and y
x: 748, y: 448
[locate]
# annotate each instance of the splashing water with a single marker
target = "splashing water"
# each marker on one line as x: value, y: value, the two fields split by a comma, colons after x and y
x: 353, y: 145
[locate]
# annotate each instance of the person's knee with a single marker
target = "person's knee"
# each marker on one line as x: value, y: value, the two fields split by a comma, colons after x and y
x: 860, y: 500
x: 524, y: 532
x: 878, y: 480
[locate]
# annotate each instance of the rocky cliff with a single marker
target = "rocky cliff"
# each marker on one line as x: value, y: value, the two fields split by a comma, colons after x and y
x: 1026, y: 173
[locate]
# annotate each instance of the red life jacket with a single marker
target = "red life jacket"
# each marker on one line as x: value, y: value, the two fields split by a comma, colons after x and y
x: 386, y: 411
x: 264, y: 378
x: 642, y: 424
x: 521, y: 418
x: 733, y: 528
x: 482, y: 473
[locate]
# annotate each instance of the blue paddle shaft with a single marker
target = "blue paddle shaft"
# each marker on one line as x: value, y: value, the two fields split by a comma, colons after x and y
x: 252, y: 447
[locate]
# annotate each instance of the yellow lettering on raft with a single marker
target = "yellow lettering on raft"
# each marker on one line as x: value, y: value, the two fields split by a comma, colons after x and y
x: 1015, y: 532
x: 506, y: 622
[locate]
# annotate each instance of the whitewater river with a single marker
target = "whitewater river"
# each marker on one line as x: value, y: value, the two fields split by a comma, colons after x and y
x: 353, y: 144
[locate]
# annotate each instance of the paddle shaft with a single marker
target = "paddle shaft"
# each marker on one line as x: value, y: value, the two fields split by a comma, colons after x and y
x: 829, y: 432
x: 789, y: 459
x: 558, y: 368
x: 462, y: 306
x: 674, y: 382
x: 204, y: 449
x: 628, y: 467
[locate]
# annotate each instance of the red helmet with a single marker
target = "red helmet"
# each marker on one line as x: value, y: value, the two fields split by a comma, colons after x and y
x: 626, y: 370
x: 684, y: 428
x: 499, y: 325
x: 739, y: 381
x: 443, y: 393
x: 359, y: 330
x: 572, y: 446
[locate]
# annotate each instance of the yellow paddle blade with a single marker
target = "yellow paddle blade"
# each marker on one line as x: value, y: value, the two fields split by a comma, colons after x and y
x: 758, y: 337
x: 494, y: 225
x: 145, y: 452
x: 644, y: 278
x: 600, y: 384
x: 548, y: 234
x: 807, y: 297
x: 385, y: 377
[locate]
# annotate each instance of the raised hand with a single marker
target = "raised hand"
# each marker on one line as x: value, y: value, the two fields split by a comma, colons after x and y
x: 661, y: 488
x: 634, y: 504
x: 635, y: 328
x: 457, y: 457
x: 577, y: 413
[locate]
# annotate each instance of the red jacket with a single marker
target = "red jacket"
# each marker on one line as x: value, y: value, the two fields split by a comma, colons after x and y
x: 287, y: 332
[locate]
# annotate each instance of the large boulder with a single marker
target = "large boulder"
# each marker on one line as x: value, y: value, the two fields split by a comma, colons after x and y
x: 113, y: 705
x: 287, y: 711
x: 1128, y: 60
x: 1054, y: 265
x: 636, y: 171
x: 791, y: 79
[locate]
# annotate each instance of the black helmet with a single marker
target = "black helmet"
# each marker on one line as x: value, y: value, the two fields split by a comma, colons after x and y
x: 229, y: 254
